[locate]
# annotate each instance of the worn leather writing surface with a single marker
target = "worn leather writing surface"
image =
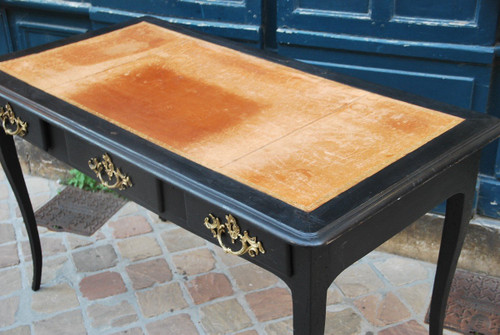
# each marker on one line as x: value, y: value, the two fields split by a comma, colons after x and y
x: 297, y: 137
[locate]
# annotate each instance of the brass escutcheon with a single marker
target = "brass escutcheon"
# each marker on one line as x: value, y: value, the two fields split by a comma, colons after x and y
x: 7, y: 115
x: 248, y: 244
x: 122, y: 181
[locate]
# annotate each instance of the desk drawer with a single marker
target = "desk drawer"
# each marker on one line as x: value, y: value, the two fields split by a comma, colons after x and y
x: 19, y: 121
x: 276, y: 254
x: 144, y: 188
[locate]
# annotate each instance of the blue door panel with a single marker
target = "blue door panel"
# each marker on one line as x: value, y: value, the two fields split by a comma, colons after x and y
x: 249, y: 34
x: 353, y: 6
x: 448, y: 21
x: 5, y: 42
x: 497, y: 161
x: 489, y: 197
x: 33, y: 28
x: 459, y: 90
x: 32, y: 33
x: 237, y: 11
x: 494, y: 105
x: 447, y: 10
x: 461, y: 84
x: 436, y: 51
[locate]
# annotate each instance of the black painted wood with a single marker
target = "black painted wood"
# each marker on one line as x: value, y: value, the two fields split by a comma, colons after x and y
x: 307, y: 250
x: 458, y: 214
x: 12, y: 169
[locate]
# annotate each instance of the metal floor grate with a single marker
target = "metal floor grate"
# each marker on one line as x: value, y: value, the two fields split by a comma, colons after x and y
x: 474, y: 304
x: 77, y: 211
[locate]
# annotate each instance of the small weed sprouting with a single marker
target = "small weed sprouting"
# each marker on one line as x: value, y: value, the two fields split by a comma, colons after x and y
x: 84, y: 182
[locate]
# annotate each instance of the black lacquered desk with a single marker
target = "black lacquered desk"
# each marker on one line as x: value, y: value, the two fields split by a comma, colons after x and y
x: 297, y: 169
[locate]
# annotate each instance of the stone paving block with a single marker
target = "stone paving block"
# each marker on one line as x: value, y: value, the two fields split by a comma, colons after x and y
x: 270, y: 304
x: 161, y: 299
x: 174, y: 325
x: 95, y: 259
x: 4, y: 191
x: 248, y: 332
x: 417, y: 296
x: 250, y: 277
x: 21, y: 330
x: 129, y: 226
x: 358, y: 280
x: 227, y: 259
x: 8, y: 311
x: 10, y: 281
x: 99, y: 236
x: 284, y: 327
x: 155, y: 219
x: 132, y: 331
x: 66, y: 323
x: 8, y: 255
x: 148, y: 273
x: 411, y: 328
x: 334, y: 296
x: 4, y: 212
x: 209, y: 287
x: 54, y: 299
x: 7, y: 233
x: 401, y: 271
x: 181, y: 239
x: 37, y: 185
x: 102, y: 285
x: 76, y: 241
x: 382, y: 310
x: 137, y: 248
x: 106, y: 316
x: 128, y: 209
x: 345, y: 322
x: 224, y: 317
x: 194, y: 262
x: 50, y: 270
x: 51, y: 246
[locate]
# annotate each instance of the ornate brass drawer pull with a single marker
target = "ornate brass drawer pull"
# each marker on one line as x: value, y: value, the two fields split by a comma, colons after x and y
x: 248, y: 244
x: 122, y: 181
x: 7, y: 115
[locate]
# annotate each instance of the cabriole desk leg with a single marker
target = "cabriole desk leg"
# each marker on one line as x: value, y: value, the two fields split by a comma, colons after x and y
x: 458, y: 215
x: 309, y: 286
x: 12, y: 168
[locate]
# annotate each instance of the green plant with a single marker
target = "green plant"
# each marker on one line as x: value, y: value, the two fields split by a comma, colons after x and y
x: 84, y: 182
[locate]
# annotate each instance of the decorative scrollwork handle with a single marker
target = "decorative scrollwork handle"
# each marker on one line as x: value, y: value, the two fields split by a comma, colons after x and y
x: 248, y: 244
x: 7, y: 115
x: 122, y: 181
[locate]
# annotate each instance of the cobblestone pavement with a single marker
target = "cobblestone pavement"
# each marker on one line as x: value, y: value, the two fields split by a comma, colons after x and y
x: 139, y: 275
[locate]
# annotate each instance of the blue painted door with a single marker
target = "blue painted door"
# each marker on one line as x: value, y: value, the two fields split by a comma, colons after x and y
x: 236, y: 19
x: 31, y: 24
x: 5, y: 42
x: 445, y: 21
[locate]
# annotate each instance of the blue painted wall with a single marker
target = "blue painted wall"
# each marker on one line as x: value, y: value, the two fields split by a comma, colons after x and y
x: 447, y: 50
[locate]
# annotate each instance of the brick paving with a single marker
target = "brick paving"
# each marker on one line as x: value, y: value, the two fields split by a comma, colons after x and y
x: 139, y: 275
